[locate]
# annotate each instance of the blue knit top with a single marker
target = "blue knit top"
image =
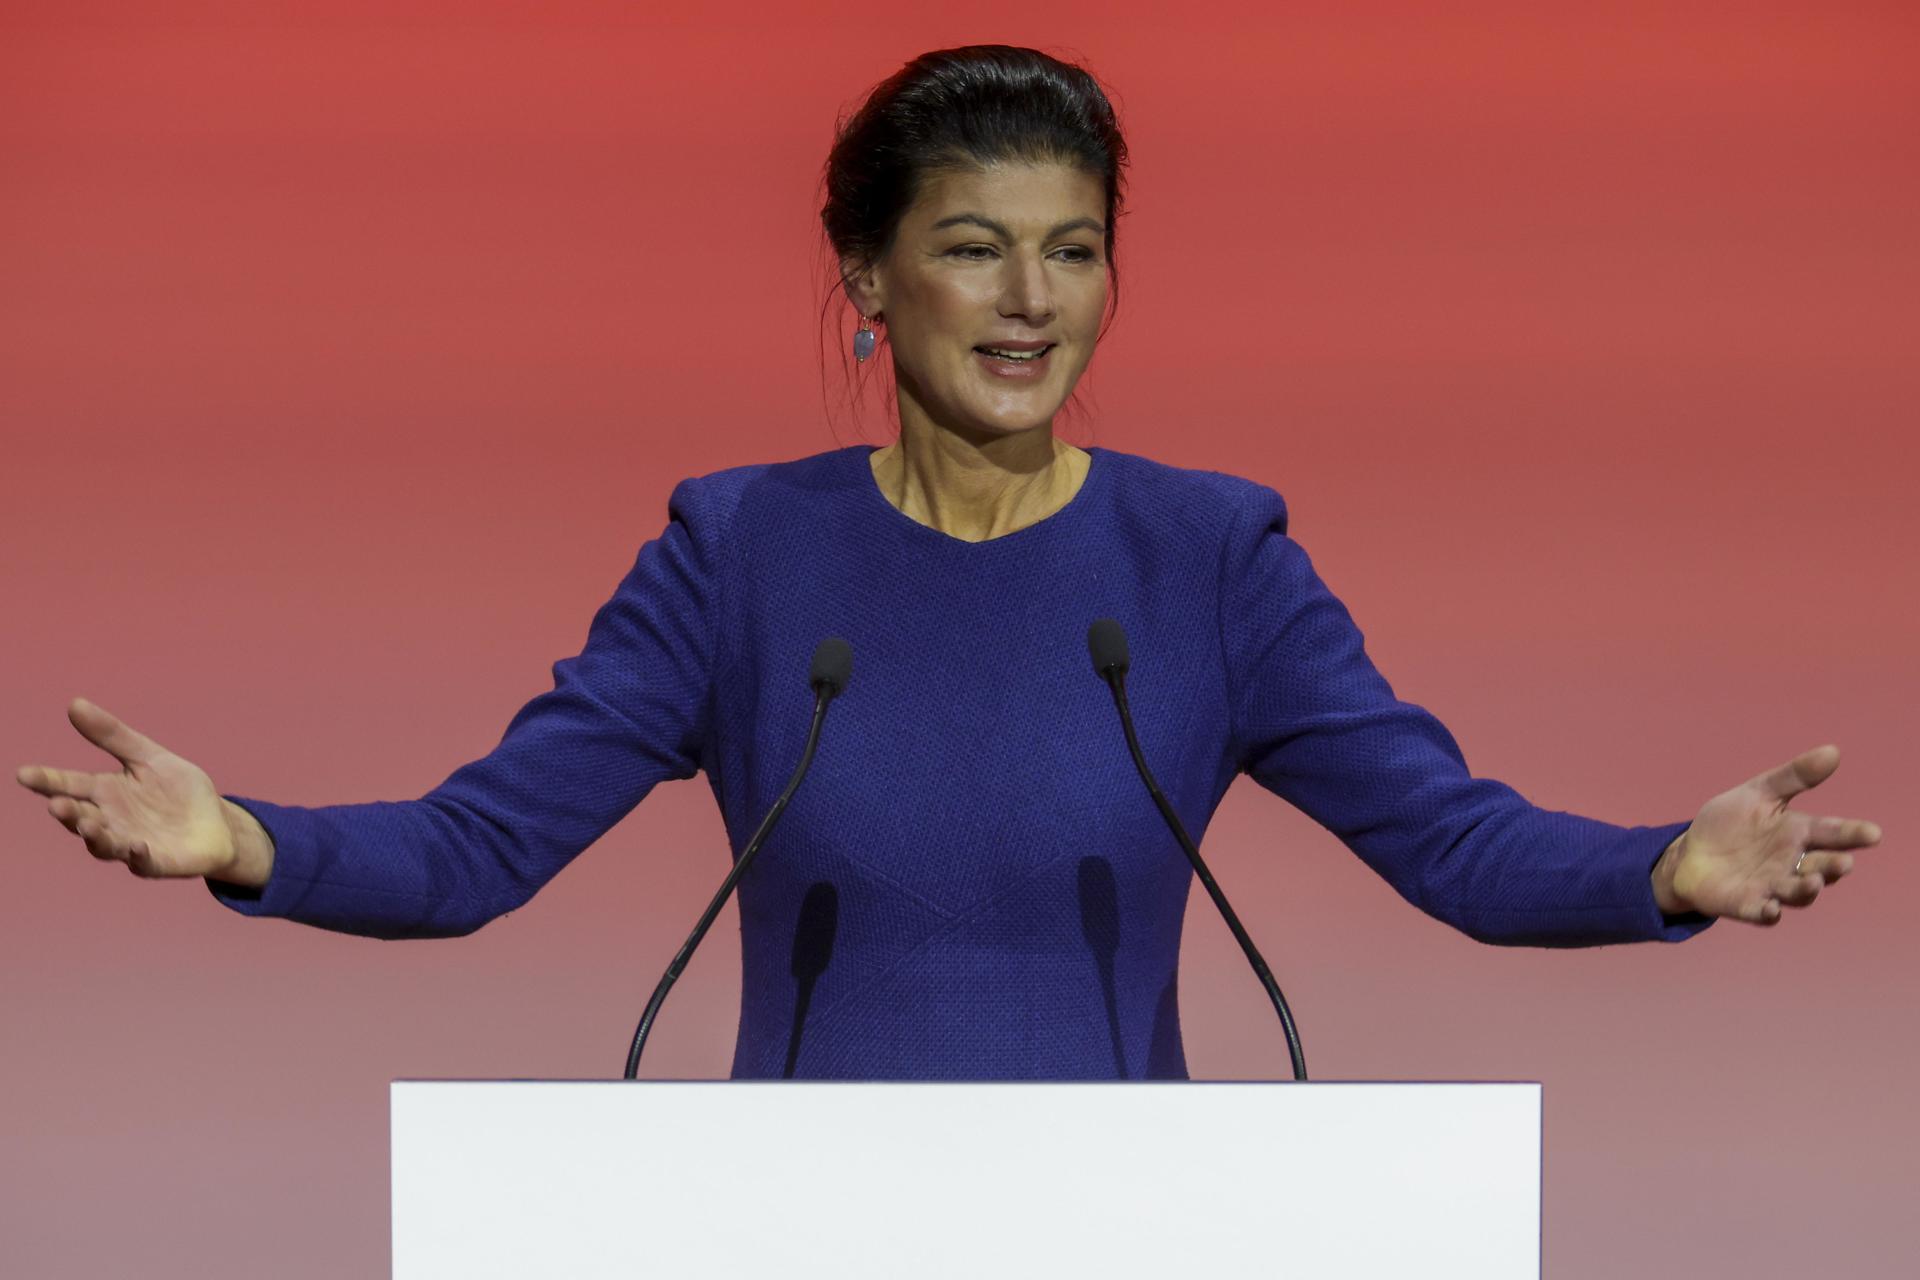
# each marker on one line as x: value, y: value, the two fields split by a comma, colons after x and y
x: 972, y: 881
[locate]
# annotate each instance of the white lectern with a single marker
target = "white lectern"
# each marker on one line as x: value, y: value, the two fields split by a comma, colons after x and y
x: 1121, y: 1180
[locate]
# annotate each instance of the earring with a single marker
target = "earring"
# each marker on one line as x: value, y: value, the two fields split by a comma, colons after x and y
x: 864, y: 339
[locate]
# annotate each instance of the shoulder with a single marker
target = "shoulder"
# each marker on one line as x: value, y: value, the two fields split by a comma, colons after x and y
x: 714, y: 500
x: 1220, y: 502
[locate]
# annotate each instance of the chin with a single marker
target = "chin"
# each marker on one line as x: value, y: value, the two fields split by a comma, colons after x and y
x: 1017, y: 426
x: 1015, y: 413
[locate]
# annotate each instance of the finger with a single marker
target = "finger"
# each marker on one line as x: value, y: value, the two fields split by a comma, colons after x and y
x: 1798, y: 891
x: 99, y: 838
x: 1828, y: 866
x: 140, y: 860
x: 69, y: 811
x: 55, y: 782
x: 1842, y: 833
x: 108, y: 732
x: 1808, y: 769
x: 1765, y: 913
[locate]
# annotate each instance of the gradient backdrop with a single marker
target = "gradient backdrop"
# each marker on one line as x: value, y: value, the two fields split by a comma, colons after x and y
x: 349, y: 351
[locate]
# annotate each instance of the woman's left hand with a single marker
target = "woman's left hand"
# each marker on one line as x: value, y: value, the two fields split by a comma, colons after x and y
x: 1747, y: 855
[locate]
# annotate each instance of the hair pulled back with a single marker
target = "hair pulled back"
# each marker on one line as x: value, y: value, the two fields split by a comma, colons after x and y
x: 956, y: 110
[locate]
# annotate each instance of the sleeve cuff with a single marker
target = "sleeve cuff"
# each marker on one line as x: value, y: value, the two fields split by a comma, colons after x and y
x: 1659, y: 925
x: 293, y: 862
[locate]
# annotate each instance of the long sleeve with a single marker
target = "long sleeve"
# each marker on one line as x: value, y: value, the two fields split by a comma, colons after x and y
x: 1314, y: 722
x: 631, y: 709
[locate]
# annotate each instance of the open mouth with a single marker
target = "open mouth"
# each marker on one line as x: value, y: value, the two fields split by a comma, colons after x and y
x: 1014, y: 363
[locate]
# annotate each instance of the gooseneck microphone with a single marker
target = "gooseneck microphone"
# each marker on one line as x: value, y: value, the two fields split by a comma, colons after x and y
x: 832, y: 666
x: 1108, y: 645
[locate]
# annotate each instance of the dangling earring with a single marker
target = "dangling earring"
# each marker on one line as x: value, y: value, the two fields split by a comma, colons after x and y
x: 864, y: 339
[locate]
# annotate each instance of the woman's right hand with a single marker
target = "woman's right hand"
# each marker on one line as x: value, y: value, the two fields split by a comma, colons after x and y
x: 160, y: 813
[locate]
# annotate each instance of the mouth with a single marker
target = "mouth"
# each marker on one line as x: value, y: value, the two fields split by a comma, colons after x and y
x: 1013, y: 364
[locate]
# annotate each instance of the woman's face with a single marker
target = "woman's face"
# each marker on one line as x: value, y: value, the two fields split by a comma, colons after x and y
x: 1013, y: 253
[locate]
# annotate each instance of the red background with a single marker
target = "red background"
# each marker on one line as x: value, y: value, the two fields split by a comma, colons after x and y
x: 348, y: 353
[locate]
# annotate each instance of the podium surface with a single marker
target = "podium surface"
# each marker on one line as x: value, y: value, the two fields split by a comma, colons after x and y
x: 1123, y: 1180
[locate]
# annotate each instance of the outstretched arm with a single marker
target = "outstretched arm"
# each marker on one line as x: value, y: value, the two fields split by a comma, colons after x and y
x: 627, y: 712
x: 1315, y: 722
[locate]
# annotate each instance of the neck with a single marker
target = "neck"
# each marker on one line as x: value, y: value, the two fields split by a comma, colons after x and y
x: 976, y: 489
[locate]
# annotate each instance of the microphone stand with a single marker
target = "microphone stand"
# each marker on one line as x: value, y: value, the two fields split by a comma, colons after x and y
x: 1108, y: 645
x: 832, y: 664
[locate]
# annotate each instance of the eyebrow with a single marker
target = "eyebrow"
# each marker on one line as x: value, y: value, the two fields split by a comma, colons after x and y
x: 999, y: 229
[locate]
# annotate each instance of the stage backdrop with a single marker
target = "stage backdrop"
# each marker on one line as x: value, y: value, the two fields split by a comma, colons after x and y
x: 348, y: 352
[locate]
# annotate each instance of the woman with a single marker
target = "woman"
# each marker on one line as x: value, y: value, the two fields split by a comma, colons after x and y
x: 972, y: 883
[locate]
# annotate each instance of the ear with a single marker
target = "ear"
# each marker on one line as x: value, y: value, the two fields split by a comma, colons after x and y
x: 864, y: 287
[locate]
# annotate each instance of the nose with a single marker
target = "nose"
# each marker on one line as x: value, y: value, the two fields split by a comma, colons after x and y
x: 1028, y: 294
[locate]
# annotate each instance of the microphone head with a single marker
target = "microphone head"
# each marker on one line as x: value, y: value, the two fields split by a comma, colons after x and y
x: 1108, y: 645
x: 832, y: 666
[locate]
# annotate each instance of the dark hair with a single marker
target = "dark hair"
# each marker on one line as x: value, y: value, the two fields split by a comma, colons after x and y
x: 958, y: 110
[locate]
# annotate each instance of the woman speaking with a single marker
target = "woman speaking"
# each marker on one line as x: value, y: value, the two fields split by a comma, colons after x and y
x: 972, y: 883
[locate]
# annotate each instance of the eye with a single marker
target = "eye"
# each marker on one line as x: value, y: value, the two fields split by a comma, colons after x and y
x: 965, y: 251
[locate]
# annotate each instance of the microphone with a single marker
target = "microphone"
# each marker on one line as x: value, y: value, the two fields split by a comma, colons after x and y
x: 832, y: 666
x: 1108, y: 645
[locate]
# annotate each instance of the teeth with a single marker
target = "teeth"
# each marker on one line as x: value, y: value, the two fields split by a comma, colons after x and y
x: 1015, y: 355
